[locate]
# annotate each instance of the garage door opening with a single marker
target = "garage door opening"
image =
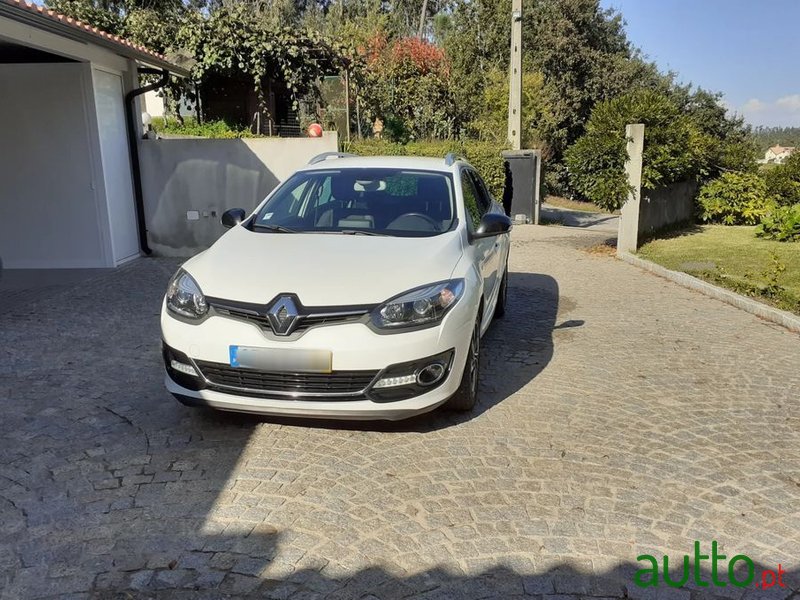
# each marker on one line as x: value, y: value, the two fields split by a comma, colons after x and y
x: 67, y: 198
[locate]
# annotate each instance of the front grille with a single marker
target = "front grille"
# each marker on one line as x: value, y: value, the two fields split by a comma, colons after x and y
x: 279, y: 383
x: 303, y: 322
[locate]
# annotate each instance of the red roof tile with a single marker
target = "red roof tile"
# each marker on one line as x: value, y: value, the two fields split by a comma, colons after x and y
x: 79, y: 25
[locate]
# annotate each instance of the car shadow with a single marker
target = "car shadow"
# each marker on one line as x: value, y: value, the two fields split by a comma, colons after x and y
x: 515, y: 350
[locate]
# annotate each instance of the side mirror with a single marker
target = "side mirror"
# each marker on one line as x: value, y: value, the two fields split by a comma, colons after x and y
x: 232, y: 217
x: 492, y: 224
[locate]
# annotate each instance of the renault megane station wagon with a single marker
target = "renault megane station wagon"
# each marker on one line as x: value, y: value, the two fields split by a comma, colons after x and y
x: 358, y: 289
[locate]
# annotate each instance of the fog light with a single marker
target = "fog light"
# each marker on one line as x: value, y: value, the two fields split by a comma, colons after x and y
x: 182, y: 368
x: 430, y: 374
x: 387, y: 382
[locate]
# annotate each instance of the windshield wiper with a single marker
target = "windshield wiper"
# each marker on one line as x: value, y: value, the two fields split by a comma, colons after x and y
x: 359, y: 232
x: 275, y: 228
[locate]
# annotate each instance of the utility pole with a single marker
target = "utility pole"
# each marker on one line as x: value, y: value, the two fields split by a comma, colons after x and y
x: 515, y: 78
x: 347, y: 102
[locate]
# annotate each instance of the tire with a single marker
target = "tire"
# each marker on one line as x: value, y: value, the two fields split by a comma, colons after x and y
x: 502, y: 296
x: 467, y: 393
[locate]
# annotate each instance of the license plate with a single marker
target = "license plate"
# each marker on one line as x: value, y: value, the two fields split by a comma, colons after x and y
x: 279, y: 359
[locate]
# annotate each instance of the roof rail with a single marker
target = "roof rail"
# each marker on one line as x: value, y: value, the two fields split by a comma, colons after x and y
x: 451, y: 158
x: 326, y: 155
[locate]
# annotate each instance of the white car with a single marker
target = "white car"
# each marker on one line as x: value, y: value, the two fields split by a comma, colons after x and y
x: 358, y: 289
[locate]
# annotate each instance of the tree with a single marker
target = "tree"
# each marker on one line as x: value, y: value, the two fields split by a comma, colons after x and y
x: 766, y: 137
x: 596, y: 161
x: 234, y: 40
x: 475, y: 39
x: 783, y: 181
x: 580, y: 50
x: 407, y: 85
x: 721, y: 143
x: 490, y: 122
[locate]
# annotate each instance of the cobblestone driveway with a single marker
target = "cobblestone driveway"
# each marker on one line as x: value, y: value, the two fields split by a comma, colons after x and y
x: 620, y: 415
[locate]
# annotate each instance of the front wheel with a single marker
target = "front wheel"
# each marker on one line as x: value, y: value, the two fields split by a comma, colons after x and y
x: 467, y: 393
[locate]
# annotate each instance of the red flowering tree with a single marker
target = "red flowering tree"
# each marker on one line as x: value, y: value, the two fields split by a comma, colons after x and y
x: 407, y: 85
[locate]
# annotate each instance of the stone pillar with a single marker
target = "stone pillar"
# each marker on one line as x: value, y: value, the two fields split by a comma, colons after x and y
x: 628, y: 237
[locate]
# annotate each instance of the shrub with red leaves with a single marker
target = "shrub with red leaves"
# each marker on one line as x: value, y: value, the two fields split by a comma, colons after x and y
x: 407, y: 85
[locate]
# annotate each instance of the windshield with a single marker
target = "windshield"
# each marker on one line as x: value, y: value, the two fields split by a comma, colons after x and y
x: 395, y: 202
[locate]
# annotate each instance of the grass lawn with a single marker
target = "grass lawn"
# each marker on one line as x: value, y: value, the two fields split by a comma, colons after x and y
x: 734, y: 258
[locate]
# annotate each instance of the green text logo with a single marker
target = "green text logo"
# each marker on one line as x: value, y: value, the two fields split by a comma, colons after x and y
x: 648, y: 576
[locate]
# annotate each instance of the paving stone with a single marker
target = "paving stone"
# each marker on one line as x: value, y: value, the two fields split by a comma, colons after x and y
x: 141, y: 579
x: 619, y: 414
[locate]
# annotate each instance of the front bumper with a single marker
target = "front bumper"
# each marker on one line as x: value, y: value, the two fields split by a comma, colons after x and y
x: 354, y: 347
x: 320, y: 409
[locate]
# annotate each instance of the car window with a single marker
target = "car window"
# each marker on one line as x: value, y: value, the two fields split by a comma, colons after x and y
x: 400, y: 202
x: 484, y: 197
x: 471, y: 200
x: 296, y: 196
x: 324, y: 192
x: 298, y: 191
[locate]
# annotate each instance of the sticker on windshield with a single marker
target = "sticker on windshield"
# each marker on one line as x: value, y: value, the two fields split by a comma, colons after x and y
x: 268, y: 216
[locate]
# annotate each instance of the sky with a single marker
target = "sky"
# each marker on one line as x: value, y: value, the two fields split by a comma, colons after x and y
x: 747, y: 49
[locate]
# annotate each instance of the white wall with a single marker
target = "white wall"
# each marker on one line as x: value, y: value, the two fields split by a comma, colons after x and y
x: 189, y: 183
x: 153, y: 104
x: 49, y: 208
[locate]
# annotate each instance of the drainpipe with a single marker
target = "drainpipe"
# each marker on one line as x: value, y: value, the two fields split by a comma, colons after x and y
x: 133, y: 145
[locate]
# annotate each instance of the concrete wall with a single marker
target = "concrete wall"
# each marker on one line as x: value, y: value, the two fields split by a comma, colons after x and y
x: 51, y: 215
x: 647, y: 211
x: 666, y: 206
x: 189, y: 183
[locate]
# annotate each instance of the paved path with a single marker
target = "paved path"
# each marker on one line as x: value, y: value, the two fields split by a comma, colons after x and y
x: 620, y: 415
x: 20, y: 286
x: 598, y: 221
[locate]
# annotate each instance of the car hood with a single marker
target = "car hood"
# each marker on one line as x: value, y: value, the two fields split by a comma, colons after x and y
x: 322, y: 269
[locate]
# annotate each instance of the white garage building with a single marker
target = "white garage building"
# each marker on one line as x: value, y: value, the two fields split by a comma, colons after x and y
x: 68, y: 195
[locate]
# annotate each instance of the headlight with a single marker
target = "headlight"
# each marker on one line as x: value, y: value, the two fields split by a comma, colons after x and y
x: 184, y: 297
x: 420, y: 306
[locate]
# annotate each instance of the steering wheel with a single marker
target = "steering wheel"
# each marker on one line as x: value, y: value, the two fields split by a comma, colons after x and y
x: 431, y: 221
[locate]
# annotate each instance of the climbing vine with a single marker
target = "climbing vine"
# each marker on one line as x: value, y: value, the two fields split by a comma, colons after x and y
x: 232, y: 40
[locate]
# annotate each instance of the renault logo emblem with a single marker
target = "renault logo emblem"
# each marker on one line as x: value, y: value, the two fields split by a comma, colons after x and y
x: 283, y: 316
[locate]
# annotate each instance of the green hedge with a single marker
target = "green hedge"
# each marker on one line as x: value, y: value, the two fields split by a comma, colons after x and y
x: 596, y: 161
x: 209, y: 129
x: 484, y: 156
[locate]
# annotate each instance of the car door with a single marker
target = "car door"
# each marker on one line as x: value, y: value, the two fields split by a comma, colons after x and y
x: 485, y: 252
x: 487, y: 204
x: 502, y: 242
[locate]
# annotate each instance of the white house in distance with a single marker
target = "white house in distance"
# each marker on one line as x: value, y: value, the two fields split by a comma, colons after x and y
x: 778, y: 154
x: 69, y: 193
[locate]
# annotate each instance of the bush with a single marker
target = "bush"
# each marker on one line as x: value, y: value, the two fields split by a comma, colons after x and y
x: 596, y: 162
x: 209, y: 129
x: 782, y: 224
x: 484, y: 156
x: 407, y: 84
x: 735, y: 199
x: 783, y: 181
